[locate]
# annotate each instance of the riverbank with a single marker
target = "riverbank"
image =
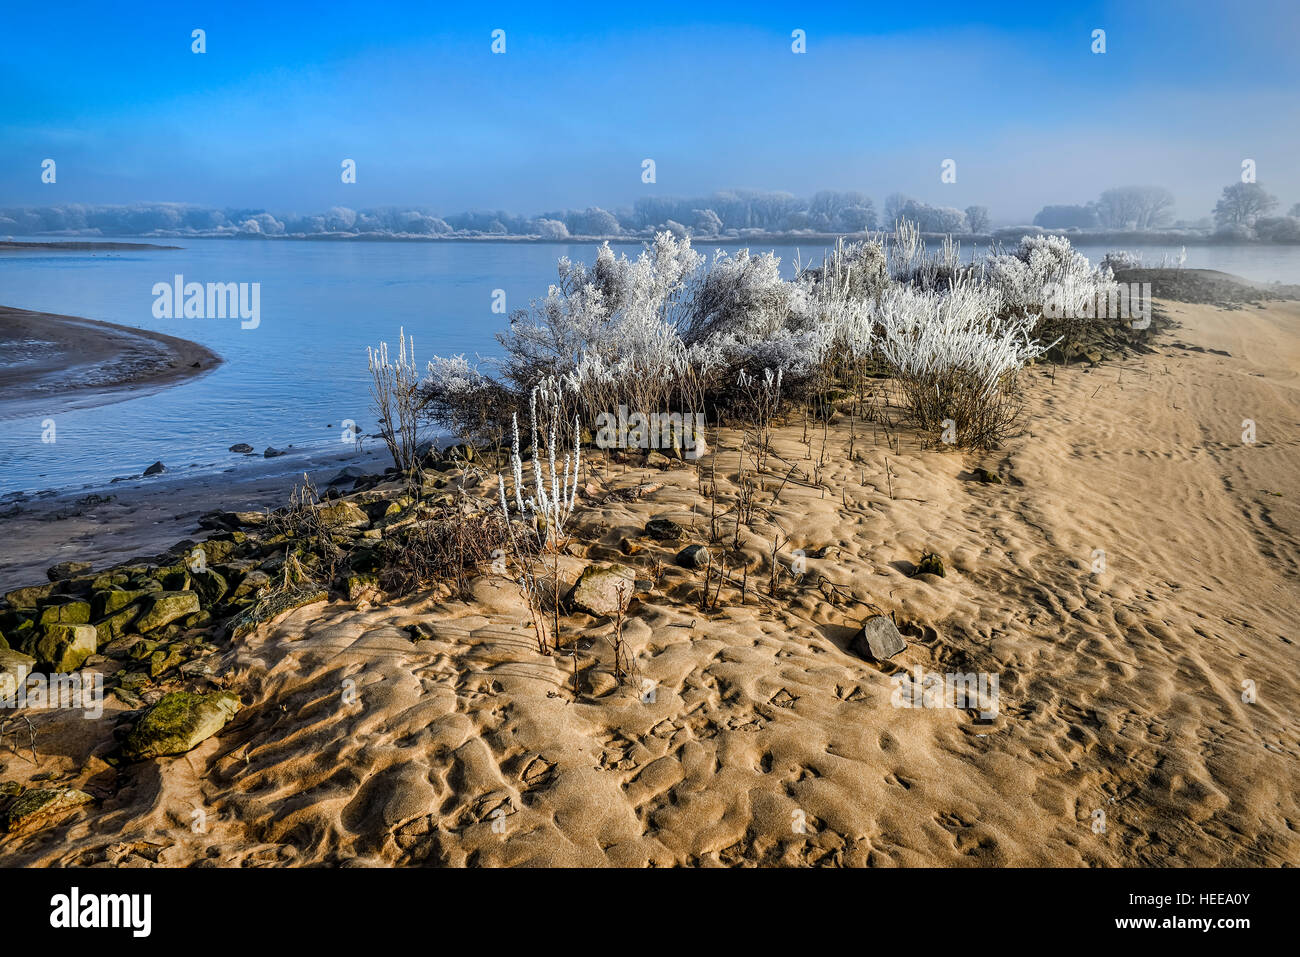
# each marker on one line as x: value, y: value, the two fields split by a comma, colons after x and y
x: 1129, y: 578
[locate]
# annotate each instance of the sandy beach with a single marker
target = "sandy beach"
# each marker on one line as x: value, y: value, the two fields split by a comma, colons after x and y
x: 52, y: 363
x: 429, y: 731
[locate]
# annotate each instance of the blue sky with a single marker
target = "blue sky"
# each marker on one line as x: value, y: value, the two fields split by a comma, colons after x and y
x: 711, y: 92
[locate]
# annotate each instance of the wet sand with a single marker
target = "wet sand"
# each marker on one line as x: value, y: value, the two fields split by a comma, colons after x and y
x: 50, y: 363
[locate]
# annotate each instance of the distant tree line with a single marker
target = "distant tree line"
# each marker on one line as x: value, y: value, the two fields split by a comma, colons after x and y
x: 1239, y: 213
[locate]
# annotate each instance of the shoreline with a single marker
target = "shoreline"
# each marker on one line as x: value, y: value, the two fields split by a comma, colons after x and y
x: 105, y: 362
x: 107, y: 523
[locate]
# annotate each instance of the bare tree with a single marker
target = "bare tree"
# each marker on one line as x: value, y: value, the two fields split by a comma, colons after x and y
x: 977, y: 218
x: 1241, y: 204
x: 1135, y: 207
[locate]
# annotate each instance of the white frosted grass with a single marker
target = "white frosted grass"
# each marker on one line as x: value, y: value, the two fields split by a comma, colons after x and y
x: 555, y: 489
x: 926, y: 334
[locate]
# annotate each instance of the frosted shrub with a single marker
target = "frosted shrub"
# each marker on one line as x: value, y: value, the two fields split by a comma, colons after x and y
x: 1047, y: 277
x: 956, y: 358
x: 458, y: 396
x: 396, y: 402
x: 611, y: 330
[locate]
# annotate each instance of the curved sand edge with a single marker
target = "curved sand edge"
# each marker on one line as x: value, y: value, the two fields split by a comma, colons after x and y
x: 61, y: 362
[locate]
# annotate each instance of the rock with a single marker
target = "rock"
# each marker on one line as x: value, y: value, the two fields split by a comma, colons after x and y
x: 197, y: 620
x: 987, y: 477
x: 41, y: 807
x: 218, y: 550
x: 263, y: 612
x: 349, y: 474
x: 65, y: 648
x: 22, y: 636
x: 115, y: 625
x: 14, y: 669
x: 165, y: 608
x: 693, y: 556
x: 25, y: 599
x: 229, y: 521
x: 657, y: 460
x: 156, y: 469
x: 65, y: 613
x: 179, y: 722
x: 878, y: 640
x: 65, y: 570
x: 664, y: 529
x: 342, y: 514
x: 362, y: 586
x: 629, y: 547
x: 163, y: 659
x: 243, y: 448
x: 252, y: 583
x: 272, y: 452
x: 596, y: 591
x: 930, y: 564
x: 210, y: 586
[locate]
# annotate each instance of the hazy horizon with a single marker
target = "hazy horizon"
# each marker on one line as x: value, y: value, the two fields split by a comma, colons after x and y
x: 564, y: 118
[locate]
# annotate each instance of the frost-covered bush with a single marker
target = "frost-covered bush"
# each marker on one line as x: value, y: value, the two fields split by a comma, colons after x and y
x: 662, y: 332
x: 611, y: 330
x: 474, y: 406
x: 1047, y: 277
x: 1117, y: 259
x: 956, y: 357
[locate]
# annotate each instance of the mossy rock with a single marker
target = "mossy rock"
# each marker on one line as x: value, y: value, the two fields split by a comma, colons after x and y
x: 273, y: 607
x: 108, y: 580
x: 65, y: 613
x: 164, y: 659
x: 175, y: 579
x: 219, y: 550
x: 41, y: 807
x: 211, y: 586
x: 358, y: 585
x: 26, y: 599
x: 252, y: 583
x: 178, y: 723
x: 199, y: 619
x: 342, y: 513
x: 23, y: 636
x: 144, y: 583
x: 930, y: 564
x: 987, y: 477
x: 112, y: 600
x: 165, y: 608
x: 65, y: 648
x: 118, y: 623
x: 142, y: 649
x: 65, y: 570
